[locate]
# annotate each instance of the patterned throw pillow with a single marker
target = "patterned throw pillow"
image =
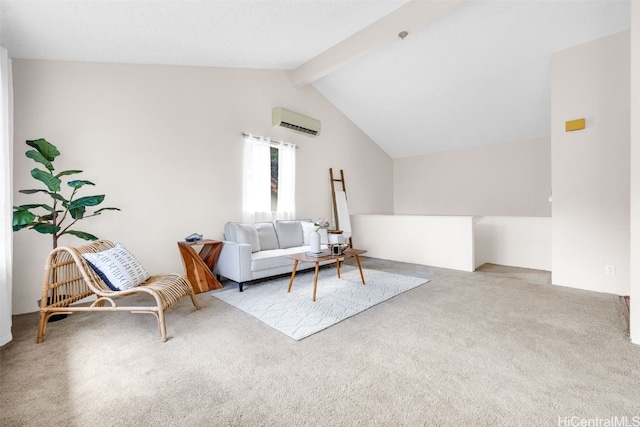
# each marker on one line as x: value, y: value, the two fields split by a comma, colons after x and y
x: 118, y: 267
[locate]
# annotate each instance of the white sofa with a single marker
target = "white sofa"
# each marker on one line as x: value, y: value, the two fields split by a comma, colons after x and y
x: 254, y: 251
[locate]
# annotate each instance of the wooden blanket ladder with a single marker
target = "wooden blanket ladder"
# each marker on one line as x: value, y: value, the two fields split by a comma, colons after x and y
x: 336, y: 217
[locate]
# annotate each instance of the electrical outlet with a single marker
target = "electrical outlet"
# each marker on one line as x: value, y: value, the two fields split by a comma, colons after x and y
x: 610, y: 270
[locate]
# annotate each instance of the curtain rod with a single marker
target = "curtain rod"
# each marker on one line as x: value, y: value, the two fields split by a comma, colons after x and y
x: 273, y: 143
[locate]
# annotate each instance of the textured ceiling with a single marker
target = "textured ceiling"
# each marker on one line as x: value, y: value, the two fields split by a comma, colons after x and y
x: 270, y: 34
x: 477, y: 76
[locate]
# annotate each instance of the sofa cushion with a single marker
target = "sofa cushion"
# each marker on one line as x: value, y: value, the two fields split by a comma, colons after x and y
x: 276, y: 258
x: 267, y: 236
x: 230, y: 231
x: 289, y: 233
x: 247, y: 233
x: 264, y: 260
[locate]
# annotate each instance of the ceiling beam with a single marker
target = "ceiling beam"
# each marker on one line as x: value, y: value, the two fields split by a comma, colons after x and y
x: 411, y: 17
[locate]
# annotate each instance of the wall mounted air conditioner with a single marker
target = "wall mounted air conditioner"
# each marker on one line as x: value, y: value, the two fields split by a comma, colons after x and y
x: 294, y: 121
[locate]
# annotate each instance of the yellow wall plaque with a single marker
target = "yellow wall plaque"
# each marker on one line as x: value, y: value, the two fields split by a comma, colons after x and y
x: 574, y: 125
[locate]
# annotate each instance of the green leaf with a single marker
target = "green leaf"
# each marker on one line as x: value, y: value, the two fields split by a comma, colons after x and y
x: 86, y: 201
x: 79, y: 183
x: 20, y: 227
x: 46, y: 228
x: 81, y: 234
x: 33, y: 191
x: 105, y: 209
x: 22, y: 217
x: 35, y: 155
x: 48, y: 150
x: 69, y: 172
x: 53, y: 195
x: 47, y: 178
x: 58, y: 197
x: 39, y: 205
x: 77, y: 213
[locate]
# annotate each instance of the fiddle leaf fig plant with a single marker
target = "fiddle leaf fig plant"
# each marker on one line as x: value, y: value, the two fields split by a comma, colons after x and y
x: 60, y: 214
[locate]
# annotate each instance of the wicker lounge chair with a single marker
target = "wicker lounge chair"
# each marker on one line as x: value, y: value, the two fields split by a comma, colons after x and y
x: 68, y: 279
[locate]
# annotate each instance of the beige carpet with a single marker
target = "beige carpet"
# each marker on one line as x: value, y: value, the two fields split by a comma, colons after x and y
x: 468, y: 349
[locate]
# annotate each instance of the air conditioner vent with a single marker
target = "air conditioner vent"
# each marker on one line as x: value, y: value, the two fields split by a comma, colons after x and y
x: 296, y: 122
x: 295, y: 127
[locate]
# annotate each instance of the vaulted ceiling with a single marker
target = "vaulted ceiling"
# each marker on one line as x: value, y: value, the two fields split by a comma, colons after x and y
x: 468, y: 73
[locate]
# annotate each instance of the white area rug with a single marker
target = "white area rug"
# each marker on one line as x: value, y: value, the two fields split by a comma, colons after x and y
x: 297, y: 316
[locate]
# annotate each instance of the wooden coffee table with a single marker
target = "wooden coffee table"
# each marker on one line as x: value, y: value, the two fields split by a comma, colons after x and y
x: 302, y: 256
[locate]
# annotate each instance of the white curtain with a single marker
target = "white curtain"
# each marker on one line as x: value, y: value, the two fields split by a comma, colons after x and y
x: 6, y: 193
x: 256, y: 179
x: 286, y: 181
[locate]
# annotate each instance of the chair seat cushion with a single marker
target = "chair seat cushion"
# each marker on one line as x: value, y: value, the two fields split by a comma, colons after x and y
x: 117, y: 267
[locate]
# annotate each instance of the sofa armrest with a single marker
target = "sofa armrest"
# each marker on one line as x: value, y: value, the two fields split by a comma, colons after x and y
x: 234, y: 262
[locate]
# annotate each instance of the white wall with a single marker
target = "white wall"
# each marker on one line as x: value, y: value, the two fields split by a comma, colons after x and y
x: 456, y: 242
x: 590, y: 168
x: 508, y: 179
x: 439, y: 241
x: 514, y: 241
x: 163, y: 143
x: 635, y: 175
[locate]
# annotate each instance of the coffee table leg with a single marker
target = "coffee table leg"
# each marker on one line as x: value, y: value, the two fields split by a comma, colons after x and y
x: 338, y: 266
x: 293, y: 274
x: 360, y: 268
x: 315, y: 280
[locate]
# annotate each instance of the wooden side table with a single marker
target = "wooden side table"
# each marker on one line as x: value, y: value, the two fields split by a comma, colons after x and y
x: 199, y: 265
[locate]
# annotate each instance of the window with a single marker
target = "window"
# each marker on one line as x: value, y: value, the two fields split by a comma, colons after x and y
x: 274, y: 178
x: 268, y: 187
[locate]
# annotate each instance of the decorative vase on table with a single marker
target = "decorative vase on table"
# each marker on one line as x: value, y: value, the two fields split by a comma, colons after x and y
x: 314, y: 242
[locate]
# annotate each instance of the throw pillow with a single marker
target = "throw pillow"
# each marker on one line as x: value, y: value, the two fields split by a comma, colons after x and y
x: 267, y: 236
x: 247, y: 233
x: 289, y: 233
x: 117, y: 267
x: 230, y: 231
